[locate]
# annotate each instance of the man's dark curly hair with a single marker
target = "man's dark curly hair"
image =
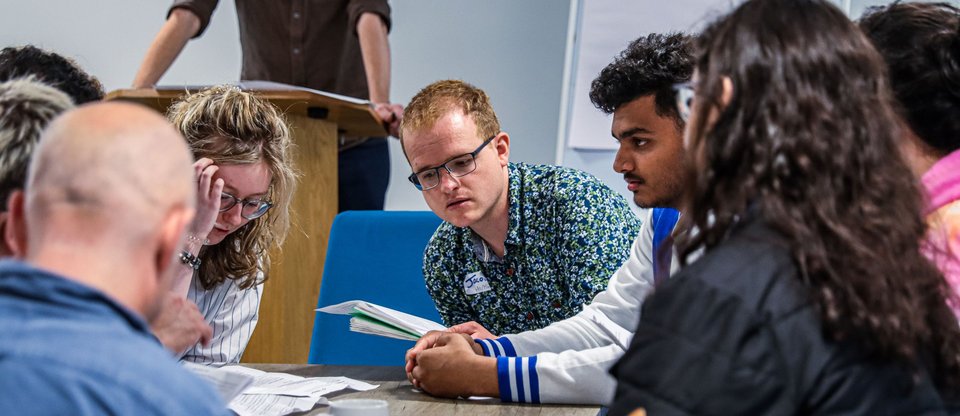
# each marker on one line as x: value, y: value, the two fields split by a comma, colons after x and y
x: 650, y: 65
x: 52, y: 69
x: 920, y: 43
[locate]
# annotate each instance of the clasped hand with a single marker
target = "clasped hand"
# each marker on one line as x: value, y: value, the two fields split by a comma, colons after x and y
x: 450, y: 364
x: 439, y: 362
x: 390, y: 115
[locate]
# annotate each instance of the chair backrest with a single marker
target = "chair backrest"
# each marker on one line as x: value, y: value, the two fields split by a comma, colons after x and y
x: 376, y: 256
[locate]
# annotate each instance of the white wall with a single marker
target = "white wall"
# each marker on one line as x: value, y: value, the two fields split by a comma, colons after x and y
x: 603, y: 29
x: 600, y: 27
x: 109, y: 37
x: 650, y: 17
x: 855, y: 8
x: 512, y: 49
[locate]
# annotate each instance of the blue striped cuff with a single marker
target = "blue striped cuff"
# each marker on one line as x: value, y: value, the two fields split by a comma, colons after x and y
x: 500, y: 347
x: 518, y: 380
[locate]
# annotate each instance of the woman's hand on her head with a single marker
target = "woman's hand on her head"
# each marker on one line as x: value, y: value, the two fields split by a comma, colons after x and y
x: 208, y: 198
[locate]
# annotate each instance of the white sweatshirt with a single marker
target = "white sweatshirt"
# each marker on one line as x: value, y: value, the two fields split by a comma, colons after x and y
x: 569, y: 361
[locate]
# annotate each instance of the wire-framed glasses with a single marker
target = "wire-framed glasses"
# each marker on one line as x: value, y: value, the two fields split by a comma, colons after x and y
x: 250, y: 209
x: 458, y: 166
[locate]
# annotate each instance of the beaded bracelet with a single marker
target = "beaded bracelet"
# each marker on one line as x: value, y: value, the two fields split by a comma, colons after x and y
x: 190, y: 260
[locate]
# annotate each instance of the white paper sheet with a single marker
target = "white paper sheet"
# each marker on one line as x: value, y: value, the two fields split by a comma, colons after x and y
x: 276, y: 86
x: 271, y: 404
x: 228, y: 384
x: 407, y: 322
x: 265, y: 393
x: 267, y: 86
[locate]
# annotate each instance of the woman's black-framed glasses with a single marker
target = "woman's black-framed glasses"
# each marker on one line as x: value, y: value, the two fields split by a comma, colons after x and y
x: 458, y: 166
x: 685, y: 93
x: 250, y: 209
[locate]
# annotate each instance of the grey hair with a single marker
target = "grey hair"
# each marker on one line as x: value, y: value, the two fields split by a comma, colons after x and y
x: 27, y: 106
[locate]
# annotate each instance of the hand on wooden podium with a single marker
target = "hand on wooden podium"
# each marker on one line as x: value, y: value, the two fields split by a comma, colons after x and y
x: 390, y: 115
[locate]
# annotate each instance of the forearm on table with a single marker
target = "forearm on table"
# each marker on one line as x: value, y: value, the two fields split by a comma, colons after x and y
x: 485, y: 378
x: 558, y: 378
x: 578, y: 332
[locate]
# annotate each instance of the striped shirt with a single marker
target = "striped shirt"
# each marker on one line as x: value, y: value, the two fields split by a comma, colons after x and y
x: 233, y: 314
x: 517, y: 377
x: 569, y: 361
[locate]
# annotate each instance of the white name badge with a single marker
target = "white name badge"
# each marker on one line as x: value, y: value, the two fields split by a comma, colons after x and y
x: 475, y: 283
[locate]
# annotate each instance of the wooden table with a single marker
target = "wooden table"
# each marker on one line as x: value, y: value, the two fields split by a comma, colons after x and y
x: 404, y: 400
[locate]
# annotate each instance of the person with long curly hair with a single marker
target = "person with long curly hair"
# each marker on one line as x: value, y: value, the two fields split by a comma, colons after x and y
x: 810, y: 294
x: 245, y: 182
x: 920, y: 42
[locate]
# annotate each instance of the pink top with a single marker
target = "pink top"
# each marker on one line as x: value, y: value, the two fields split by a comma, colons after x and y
x: 942, y: 183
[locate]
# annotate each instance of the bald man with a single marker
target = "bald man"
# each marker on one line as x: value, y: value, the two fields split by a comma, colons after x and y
x: 98, y: 231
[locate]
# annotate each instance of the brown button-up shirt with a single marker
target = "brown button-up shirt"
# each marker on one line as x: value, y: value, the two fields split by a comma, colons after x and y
x: 310, y: 43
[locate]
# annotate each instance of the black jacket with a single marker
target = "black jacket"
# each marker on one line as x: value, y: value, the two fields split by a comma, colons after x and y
x: 734, y: 334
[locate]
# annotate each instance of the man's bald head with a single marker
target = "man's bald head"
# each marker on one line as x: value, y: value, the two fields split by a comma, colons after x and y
x: 117, y: 165
x: 109, y: 193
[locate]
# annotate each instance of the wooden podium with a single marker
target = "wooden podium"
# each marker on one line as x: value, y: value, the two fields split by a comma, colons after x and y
x: 316, y: 121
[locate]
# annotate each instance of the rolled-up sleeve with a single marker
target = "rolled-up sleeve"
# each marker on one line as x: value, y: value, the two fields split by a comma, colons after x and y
x: 356, y: 8
x: 202, y: 8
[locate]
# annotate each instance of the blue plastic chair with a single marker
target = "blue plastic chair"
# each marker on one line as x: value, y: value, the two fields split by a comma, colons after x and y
x: 376, y: 256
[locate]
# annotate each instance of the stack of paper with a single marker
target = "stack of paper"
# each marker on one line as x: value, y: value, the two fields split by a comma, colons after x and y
x: 369, y: 318
x: 229, y: 384
x: 255, y: 392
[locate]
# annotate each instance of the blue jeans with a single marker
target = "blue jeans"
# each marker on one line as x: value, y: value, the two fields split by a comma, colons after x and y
x: 363, y: 174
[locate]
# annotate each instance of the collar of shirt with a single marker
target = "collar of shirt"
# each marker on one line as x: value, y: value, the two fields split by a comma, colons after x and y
x: 942, y: 182
x: 483, y: 251
x: 515, y: 197
x: 24, y: 280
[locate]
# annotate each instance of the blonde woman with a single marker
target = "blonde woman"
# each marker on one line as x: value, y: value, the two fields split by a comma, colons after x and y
x: 244, y: 185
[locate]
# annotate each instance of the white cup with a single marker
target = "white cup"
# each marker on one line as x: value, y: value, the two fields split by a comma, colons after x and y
x: 359, y: 407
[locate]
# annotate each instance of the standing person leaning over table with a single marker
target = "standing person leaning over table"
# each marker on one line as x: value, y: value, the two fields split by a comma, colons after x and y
x: 245, y: 182
x: 810, y: 293
x: 338, y: 46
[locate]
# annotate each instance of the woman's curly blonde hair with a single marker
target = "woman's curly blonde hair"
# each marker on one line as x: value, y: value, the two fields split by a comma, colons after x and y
x: 233, y: 127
